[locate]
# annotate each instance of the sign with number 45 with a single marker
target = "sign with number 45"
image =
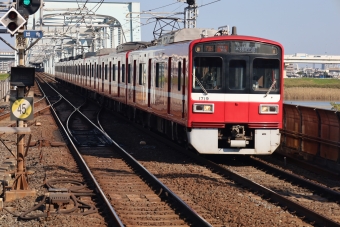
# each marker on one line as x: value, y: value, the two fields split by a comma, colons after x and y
x: 22, y: 109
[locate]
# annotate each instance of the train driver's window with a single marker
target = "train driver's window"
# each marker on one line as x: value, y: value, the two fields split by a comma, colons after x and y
x: 207, y: 73
x: 266, y: 74
x: 237, y: 74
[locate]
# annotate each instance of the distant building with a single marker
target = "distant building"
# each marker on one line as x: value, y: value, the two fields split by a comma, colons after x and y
x: 290, y: 70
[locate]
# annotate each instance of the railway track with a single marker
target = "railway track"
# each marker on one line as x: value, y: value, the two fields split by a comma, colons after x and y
x: 311, y: 215
x: 204, y: 189
x: 140, y: 203
x: 256, y: 178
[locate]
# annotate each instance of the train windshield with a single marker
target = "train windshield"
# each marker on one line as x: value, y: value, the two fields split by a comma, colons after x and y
x: 265, y: 74
x: 208, y: 73
x: 242, y: 68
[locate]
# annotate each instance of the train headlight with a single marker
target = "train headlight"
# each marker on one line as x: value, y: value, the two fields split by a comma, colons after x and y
x: 268, y: 109
x: 203, y: 108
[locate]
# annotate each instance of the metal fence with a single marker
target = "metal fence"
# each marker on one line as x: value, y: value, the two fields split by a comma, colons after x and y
x: 5, y: 90
x: 312, y: 133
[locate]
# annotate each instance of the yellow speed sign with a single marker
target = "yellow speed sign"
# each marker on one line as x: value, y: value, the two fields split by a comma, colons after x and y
x: 22, y: 109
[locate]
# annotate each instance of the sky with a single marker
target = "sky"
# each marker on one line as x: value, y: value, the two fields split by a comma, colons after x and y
x: 301, y: 26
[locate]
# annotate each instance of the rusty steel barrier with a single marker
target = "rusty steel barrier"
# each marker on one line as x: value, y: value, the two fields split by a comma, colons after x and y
x: 312, y: 133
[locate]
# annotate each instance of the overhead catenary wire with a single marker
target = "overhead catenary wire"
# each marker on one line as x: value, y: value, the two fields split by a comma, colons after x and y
x: 160, y: 7
x: 99, y: 4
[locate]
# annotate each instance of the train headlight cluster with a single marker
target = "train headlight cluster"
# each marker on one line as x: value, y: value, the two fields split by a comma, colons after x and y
x: 203, y: 108
x: 268, y: 109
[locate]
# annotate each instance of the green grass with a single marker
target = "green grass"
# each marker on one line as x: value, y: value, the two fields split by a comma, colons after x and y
x: 311, y: 83
x: 3, y: 76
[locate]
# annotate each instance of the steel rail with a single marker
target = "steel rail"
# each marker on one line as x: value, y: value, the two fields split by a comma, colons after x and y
x: 83, y: 163
x: 196, y: 218
x: 266, y: 192
x: 333, y: 195
x: 300, y: 209
x: 165, y: 191
x: 307, y: 165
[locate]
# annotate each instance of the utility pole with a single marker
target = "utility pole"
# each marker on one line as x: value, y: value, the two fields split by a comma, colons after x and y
x: 190, y: 13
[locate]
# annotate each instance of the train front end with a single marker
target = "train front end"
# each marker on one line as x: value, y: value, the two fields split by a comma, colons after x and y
x: 235, y: 96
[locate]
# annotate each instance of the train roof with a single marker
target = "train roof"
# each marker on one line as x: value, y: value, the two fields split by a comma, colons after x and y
x: 185, y: 34
x: 132, y: 46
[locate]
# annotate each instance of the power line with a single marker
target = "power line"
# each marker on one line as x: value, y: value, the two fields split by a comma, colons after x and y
x: 160, y: 7
x: 208, y: 3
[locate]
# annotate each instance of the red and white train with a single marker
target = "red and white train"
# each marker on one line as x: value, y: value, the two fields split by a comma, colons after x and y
x: 221, y: 94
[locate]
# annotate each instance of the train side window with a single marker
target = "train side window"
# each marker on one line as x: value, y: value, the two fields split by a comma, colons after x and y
x: 123, y: 72
x: 129, y: 73
x: 160, y: 75
x: 179, y: 73
x: 113, y: 72
x: 237, y: 74
x: 142, y: 74
x: 105, y: 72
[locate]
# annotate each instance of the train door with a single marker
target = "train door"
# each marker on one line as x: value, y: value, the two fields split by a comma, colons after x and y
x: 95, y: 75
x: 86, y: 74
x: 127, y: 79
x: 134, y: 81
x: 169, y: 85
x: 118, y: 79
x: 104, y: 75
x: 110, y: 76
x: 236, y: 107
x: 149, y: 81
x: 176, y: 88
x: 99, y: 77
x: 80, y: 74
x: 91, y: 72
x: 114, y: 87
x: 183, y: 87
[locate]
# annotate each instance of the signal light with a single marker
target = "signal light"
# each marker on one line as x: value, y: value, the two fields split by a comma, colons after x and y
x: 28, y: 7
x: 26, y: 2
x: 191, y: 2
x: 13, y: 21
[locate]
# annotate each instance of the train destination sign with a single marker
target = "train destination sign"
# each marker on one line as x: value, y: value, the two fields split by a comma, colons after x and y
x: 241, y: 47
x: 22, y: 109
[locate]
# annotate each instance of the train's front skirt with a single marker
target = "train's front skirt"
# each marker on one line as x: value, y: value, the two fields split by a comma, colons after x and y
x: 205, y: 141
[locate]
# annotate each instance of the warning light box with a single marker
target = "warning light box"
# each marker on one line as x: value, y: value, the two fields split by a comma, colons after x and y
x: 22, y: 76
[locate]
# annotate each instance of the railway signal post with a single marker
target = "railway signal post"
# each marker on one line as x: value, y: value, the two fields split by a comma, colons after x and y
x: 21, y: 109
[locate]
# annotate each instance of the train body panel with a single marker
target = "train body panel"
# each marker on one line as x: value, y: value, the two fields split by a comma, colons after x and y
x: 221, y: 94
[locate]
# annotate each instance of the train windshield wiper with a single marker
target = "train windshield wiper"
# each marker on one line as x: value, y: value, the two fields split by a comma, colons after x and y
x: 271, y: 87
x: 201, y: 86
